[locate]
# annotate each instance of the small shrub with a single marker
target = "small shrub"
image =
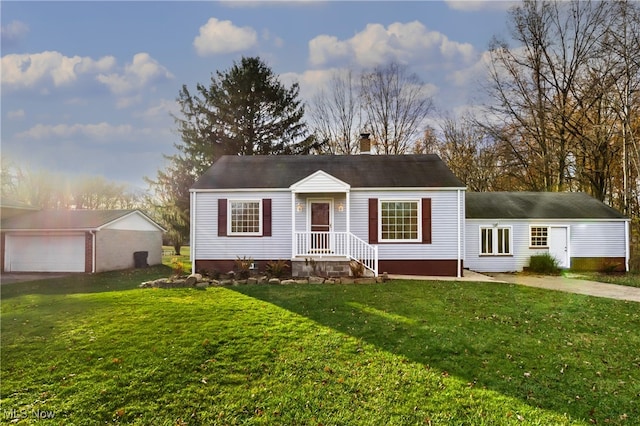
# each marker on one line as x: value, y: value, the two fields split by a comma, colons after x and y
x: 277, y: 269
x: 357, y: 269
x: 243, y: 267
x: 544, y: 264
x: 177, y: 267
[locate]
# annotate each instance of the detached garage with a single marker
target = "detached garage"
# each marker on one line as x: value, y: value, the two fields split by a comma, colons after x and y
x: 79, y: 241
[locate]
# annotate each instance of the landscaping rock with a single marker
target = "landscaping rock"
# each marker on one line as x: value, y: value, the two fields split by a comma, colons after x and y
x: 252, y: 281
x: 274, y: 281
x: 202, y: 284
x: 287, y: 282
x: 302, y: 281
x: 226, y: 282
x: 347, y: 280
x: 316, y: 280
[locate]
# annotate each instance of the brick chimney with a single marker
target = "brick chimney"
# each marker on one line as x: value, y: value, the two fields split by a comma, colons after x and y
x: 365, y: 143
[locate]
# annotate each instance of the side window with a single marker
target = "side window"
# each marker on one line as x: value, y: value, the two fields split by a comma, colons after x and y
x: 539, y: 236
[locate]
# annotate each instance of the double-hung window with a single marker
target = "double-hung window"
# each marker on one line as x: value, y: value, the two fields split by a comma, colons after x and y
x: 495, y: 241
x: 400, y: 221
x: 539, y: 236
x: 245, y: 217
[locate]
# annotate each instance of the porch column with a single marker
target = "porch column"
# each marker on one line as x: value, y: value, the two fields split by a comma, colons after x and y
x: 293, y: 224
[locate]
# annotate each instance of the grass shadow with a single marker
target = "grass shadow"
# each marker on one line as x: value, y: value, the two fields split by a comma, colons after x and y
x: 562, y: 352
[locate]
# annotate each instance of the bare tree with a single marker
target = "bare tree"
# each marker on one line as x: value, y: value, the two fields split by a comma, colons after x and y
x: 336, y: 114
x: 534, y: 85
x: 396, y: 103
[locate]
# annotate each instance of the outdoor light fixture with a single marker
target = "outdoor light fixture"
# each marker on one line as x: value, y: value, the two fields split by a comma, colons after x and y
x: 340, y: 207
x: 299, y: 207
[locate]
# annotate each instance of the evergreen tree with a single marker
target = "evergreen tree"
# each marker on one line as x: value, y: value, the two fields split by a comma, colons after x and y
x: 245, y: 110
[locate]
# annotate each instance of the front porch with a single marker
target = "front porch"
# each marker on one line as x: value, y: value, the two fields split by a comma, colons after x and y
x: 320, y: 219
x: 338, y: 248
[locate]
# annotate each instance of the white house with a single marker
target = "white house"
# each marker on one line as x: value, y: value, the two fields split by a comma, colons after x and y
x: 504, y: 229
x: 400, y: 214
x: 79, y: 241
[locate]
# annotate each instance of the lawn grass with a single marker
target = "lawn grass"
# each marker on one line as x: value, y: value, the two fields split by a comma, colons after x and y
x: 96, y: 349
x: 631, y: 279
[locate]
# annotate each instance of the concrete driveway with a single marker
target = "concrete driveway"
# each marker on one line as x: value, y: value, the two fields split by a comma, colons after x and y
x: 573, y: 285
x: 9, y: 278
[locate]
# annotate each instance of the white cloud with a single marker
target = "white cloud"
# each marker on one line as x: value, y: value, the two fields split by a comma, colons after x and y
x: 406, y: 43
x: 475, y: 5
x: 13, y: 32
x: 99, y: 131
x: 141, y: 72
x: 223, y: 37
x: 17, y: 114
x: 161, y: 110
x: 34, y: 70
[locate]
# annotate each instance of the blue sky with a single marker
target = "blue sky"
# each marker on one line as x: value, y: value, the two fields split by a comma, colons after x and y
x: 88, y: 87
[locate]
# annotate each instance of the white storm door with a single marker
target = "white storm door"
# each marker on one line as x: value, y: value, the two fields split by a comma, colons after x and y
x: 558, y: 245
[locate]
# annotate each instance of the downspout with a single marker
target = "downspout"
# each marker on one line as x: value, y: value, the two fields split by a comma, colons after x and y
x: 626, y: 245
x: 192, y: 231
x: 459, y: 266
x: 93, y: 251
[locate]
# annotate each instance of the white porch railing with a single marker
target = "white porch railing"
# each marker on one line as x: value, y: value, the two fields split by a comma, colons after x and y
x: 332, y: 244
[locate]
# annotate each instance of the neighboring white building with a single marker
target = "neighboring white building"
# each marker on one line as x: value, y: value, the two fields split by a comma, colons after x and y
x: 79, y: 241
x: 504, y: 229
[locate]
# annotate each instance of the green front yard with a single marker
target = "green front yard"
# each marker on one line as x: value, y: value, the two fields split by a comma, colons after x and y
x: 96, y: 349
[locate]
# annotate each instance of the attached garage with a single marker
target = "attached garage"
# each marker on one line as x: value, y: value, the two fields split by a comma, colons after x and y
x: 78, y: 240
x: 504, y: 229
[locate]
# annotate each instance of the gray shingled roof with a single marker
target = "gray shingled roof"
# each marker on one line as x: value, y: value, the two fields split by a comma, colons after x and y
x: 63, y: 219
x: 359, y: 171
x: 536, y: 205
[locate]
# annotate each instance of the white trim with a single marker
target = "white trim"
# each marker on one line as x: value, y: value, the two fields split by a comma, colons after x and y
x: 418, y: 202
x: 545, y: 220
x: 129, y: 214
x: 293, y: 223
x: 494, y: 239
x: 626, y: 246
x: 546, y: 246
x: 310, y: 201
x: 407, y: 188
x: 306, y: 185
x: 230, y: 233
x: 459, y: 225
x: 376, y: 189
x: 93, y: 251
x: 192, y: 231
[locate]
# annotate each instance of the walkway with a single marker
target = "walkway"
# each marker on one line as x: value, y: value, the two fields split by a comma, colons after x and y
x: 558, y: 283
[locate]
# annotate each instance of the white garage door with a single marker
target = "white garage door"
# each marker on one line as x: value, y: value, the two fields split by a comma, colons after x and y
x: 42, y: 253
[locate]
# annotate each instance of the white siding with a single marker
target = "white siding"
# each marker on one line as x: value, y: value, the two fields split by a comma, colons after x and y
x: 133, y: 222
x: 587, y: 239
x: 444, y: 226
x: 210, y: 246
x: 115, y: 248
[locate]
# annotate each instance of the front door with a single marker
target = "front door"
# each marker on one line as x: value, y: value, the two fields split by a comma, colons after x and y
x: 320, y: 226
x: 558, y: 245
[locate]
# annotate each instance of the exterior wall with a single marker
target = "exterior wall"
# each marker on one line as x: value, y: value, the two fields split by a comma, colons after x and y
x: 339, y: 217
x: 436, y: 258
x: 444, y: 225
x: 587, y: 239
x: 115, y: 248
x: 208, y: 245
